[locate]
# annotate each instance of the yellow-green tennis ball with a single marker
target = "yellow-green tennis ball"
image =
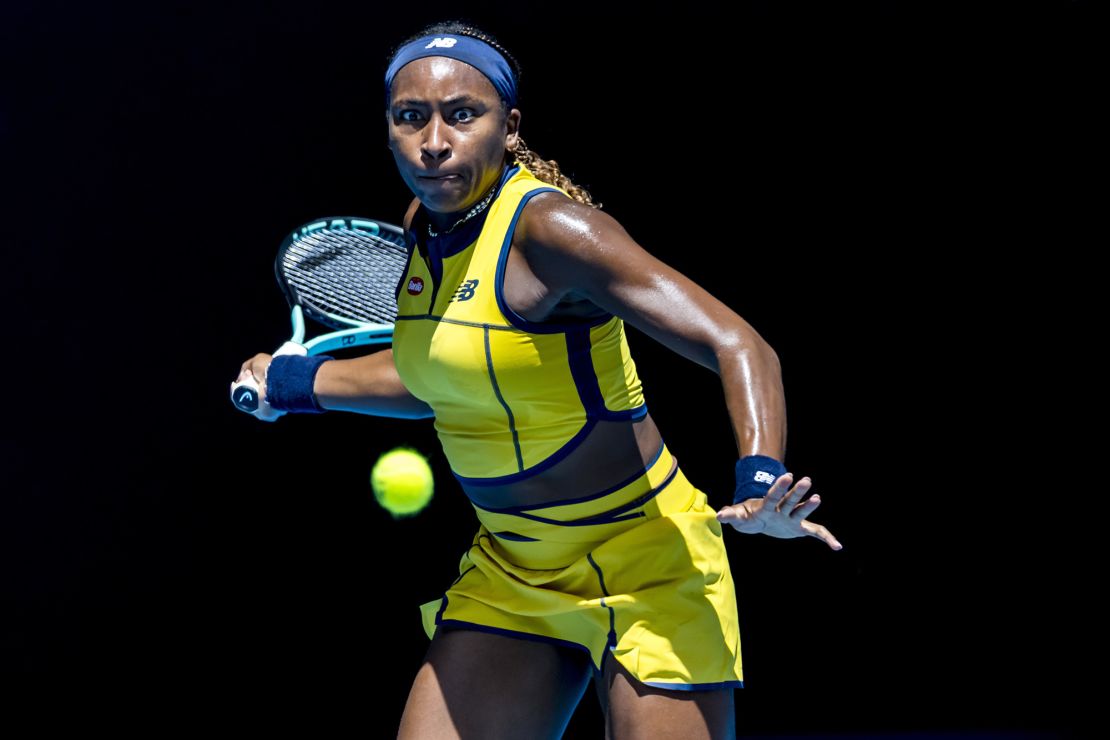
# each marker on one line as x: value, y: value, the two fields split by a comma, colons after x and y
x: 402, y: 481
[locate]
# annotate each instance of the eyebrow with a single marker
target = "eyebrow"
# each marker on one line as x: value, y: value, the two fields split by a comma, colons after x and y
x: 449, y: 101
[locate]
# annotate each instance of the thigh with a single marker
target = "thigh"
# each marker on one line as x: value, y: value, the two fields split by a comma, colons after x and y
x: 476, y: 684
x: 634, y: 711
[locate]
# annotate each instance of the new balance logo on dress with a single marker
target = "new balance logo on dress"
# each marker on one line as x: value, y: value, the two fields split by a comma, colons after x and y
x: 465, y: 291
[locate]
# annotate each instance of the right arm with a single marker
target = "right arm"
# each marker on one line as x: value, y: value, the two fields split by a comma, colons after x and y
x: 367, y: 385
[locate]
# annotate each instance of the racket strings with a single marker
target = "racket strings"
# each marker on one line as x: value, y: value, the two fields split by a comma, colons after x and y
x: 348, y: 273
x: 337, y: 293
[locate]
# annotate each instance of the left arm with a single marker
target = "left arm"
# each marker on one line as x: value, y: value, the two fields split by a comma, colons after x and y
x: 578, y: 251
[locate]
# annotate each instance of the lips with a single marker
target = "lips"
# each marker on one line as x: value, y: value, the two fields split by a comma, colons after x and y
x: 441, y: 176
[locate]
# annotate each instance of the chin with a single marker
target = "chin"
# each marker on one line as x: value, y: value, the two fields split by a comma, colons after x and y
x: 439, y: 205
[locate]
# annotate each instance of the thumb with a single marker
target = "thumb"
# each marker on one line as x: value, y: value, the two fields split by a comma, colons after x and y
x: 733, y: 513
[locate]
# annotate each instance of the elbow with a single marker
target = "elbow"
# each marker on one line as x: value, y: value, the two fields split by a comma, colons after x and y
x: 771, y: 355
x: 769, y: 358
x: 756, y: 350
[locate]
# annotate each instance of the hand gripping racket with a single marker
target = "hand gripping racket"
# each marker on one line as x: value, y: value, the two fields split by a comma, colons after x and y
x: 342, y: 272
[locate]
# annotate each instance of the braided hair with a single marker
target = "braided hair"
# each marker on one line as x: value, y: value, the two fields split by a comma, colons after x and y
x: 545, y: 169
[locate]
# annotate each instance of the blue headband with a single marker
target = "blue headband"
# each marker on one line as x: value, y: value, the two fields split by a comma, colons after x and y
x: 476, y: 53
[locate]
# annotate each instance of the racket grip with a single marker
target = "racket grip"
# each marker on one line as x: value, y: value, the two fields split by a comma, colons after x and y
x: 245, y: 394
x: 246, y: 397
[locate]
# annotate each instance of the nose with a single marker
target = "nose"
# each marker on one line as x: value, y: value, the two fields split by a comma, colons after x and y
x: 437, y: 144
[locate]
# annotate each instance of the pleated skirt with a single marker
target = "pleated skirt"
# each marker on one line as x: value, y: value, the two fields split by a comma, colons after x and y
x: 639, y: 570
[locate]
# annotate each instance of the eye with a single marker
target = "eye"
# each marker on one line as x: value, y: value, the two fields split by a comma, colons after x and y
x: 464, y: 114
x: 405, y: 115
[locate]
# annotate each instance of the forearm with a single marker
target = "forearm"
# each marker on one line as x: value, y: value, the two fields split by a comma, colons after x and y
x: 752, y: 380
x: 367, y: 385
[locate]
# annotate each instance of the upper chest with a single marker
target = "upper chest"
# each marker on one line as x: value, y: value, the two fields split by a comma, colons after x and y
x: 476, y: 283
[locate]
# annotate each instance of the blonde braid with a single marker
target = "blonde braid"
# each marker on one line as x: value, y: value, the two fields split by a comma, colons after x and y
x: 548, y: 171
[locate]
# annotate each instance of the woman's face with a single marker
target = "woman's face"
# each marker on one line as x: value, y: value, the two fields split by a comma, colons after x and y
x: 447, y: 133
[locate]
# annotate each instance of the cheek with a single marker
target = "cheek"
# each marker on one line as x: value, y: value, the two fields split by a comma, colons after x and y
x: 403, y: 150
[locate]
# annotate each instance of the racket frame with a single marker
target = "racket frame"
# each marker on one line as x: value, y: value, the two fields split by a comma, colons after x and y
x: 347, y: 332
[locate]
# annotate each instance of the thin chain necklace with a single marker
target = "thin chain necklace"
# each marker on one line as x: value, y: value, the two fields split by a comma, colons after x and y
x: 471, y: 214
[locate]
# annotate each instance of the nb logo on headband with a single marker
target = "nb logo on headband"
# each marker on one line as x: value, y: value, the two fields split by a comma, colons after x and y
x: 444, y: 43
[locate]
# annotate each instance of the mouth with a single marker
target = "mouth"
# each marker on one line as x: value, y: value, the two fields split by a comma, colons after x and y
x: 446, y: 176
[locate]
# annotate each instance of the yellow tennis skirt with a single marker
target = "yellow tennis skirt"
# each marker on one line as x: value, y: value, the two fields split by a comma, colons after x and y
x: 639, y: 570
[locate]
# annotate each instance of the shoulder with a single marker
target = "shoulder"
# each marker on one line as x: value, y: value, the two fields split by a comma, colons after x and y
x: 573, y: 248
x: 553, y: 225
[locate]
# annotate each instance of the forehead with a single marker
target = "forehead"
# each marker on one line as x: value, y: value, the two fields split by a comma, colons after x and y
x: 439, y: 78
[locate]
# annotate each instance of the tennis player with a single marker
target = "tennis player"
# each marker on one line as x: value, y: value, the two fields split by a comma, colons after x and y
x: 595, y: 557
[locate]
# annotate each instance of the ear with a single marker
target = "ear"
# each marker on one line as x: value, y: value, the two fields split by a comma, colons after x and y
x: 512, y: 129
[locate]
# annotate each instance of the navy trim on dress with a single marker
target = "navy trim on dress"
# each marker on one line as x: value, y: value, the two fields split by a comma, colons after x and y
x: 514, y: 537
x: 410, y: 244
x: 695, y: 686
x: 612, y: 616
x: 539, y: 467
x: 436, y: 249
x: 611, y: 516
x: 445, y: 320
x: 564, y: 502
x: 504, y: 404
x: 512, y: 316
x: 582, y: 370
x: 580, y: 357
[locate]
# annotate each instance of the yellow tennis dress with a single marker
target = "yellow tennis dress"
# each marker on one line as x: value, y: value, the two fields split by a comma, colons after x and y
x: 639, y: 569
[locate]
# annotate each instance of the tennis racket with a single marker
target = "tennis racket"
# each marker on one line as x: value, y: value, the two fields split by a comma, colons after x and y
x: 342, y: 273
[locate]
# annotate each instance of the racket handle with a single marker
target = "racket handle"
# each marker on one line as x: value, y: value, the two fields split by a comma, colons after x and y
x: 246, y: 397
x: 245, y: 393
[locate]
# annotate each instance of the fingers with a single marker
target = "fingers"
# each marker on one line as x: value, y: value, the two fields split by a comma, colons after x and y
x: 804, y: 509
x: 818, y: 531
x: 782, y: 497
x: 255, y: 366
x: 799, y: 511
x: 778, y: 491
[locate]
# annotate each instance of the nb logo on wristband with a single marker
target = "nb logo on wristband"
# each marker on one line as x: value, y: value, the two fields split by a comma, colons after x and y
x: 762, y: 476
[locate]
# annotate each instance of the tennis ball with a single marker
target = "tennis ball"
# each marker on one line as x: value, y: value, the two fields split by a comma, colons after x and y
x: 402, y: 482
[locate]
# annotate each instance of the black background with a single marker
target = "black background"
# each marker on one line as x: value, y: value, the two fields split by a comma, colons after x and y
x: 858, y: 183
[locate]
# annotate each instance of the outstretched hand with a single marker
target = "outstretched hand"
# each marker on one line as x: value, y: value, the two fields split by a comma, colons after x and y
x: 781, y: 513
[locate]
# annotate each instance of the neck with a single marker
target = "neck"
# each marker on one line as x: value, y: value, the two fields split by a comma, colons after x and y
x: 445, y: 223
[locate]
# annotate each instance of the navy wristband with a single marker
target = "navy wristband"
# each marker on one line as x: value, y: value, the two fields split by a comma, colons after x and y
x: 289, y: 381
x: 755, y: 474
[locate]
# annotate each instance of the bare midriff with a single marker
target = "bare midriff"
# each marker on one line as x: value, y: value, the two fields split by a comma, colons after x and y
x: 612, y: 452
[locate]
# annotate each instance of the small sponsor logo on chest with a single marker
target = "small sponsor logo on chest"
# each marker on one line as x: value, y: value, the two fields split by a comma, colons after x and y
x: 465, y: 291
x: 416, y: 286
